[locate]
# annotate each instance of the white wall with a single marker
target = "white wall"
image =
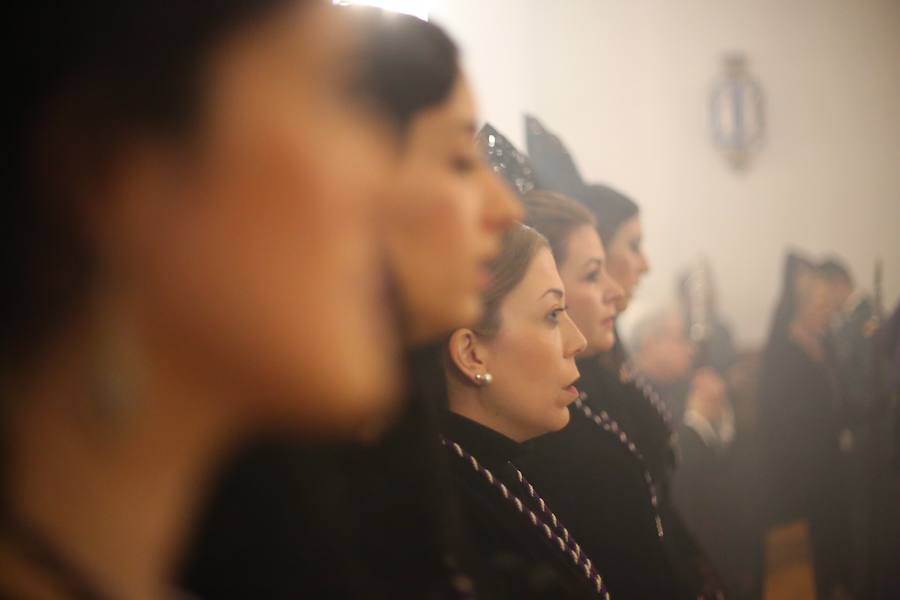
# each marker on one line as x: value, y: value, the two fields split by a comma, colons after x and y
x: 626, y: 84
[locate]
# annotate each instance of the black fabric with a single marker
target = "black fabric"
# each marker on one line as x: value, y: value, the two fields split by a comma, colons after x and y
x: 611, y: 495
x: 522, y: 562
x: 854, y: 348
x: 273, y: 528
x: 718, y: 493
x: 799, y: 418
x: 598, y: 489
x: 292, y: 519
x: 861, y: 415
x: 554, y: 166
x: 693, y: 572
x: 556, y: 171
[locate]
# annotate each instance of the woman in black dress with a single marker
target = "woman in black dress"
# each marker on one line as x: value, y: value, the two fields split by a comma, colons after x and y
x: 597, y: 479
x: 291, y: 518
x: 800, y: 418
x: 614, y: 388
x: 509, y: 380
x: 187, y: 265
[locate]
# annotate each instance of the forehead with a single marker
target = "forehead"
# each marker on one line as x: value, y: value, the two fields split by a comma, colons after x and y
x: 585, y: 243
x: 630, y: 228
x: 540, y: 276
x: 451, y: 121
x: 462, y: 100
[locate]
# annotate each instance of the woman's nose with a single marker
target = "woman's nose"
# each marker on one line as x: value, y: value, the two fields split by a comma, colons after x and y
x: 644, y: 264
x: 613, y: 292
x: 573, y: 341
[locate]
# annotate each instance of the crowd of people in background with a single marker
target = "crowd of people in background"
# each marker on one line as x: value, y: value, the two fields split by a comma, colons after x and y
x: 283, y: 320
x: 794, y: 432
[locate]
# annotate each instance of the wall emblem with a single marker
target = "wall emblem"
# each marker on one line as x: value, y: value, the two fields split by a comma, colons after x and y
x: 736, y: 111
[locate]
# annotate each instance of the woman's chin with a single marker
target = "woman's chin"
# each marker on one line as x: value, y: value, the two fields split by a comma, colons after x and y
x: 602, y: 342
x: 609, y: 340
x: 561, y: 420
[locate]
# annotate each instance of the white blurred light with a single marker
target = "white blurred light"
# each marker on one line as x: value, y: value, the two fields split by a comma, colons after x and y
x: 416, y: 8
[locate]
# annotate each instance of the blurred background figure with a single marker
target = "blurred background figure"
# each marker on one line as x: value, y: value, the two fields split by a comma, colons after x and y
x: 851, y: 329
x: 188, y: 265
x: 850, y: 340
x: 715, y: 485
x: 883, y: 577
x: 801, y: 423
x: 664, y: 353
x: 698, y: 300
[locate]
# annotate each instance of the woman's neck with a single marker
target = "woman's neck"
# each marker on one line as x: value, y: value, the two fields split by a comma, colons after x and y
x: 112, y: 498
x: 469, y: 403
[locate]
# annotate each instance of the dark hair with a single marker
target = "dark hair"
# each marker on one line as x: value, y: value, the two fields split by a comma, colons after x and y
x: 519, y: 245
x: 85, y: 75
x: 555, y: 216
x: 835, y: 271
x: 409, y: 65
x: 610, y: 208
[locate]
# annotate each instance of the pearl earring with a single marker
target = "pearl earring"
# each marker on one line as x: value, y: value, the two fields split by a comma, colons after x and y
x: 483, y: 379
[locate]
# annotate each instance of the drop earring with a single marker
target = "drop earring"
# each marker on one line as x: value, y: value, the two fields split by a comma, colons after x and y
x: 483, y: 379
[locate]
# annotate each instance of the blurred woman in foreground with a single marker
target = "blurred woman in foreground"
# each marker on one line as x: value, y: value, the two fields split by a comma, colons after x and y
x: 293, y: 519
x: 191, y: 264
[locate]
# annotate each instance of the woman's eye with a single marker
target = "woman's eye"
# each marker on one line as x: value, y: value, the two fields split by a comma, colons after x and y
x: 592, y: 277
x: 554, y: 314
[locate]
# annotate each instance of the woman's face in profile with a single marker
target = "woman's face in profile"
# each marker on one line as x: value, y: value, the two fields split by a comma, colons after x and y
x: 627, y: 263
x: 532, y: 356
x: 448, y: 210
x: 591, y: 293
x: 261, y: 256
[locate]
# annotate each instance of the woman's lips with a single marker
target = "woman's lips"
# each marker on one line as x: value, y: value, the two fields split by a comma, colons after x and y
x: 572, y: 390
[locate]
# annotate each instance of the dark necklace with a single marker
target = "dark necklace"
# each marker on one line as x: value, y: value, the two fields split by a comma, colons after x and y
x: 548, y: 523
x: 609, y: 425
x: 40, y: 551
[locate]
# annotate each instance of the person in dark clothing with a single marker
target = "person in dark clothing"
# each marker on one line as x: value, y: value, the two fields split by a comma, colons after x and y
x: 509, y: 380
x: 885, y: 578
x: 706, y: 480
x: 615, y: 392
x: 800, y: 423
x: 597, y: 483
x: 292, y: 518
x: 851, y: 341
x: 187, y: 265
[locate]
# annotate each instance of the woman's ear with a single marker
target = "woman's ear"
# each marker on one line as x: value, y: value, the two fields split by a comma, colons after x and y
x: 467, y: 354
